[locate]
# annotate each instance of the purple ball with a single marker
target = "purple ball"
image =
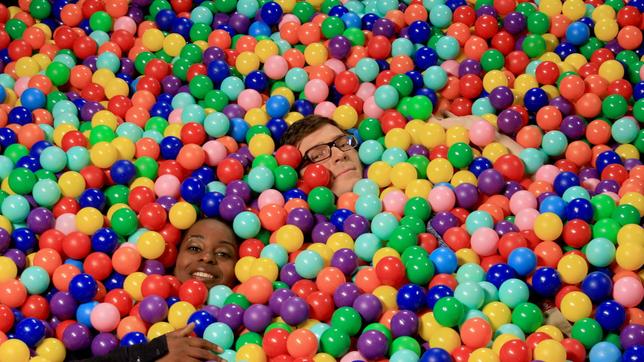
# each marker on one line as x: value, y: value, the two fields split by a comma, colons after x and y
x: 383, y: 26
x: 212, y: 310
x: 614, y: 46
x: 231, y: 206
x: 257, y: 317
x: 491, y: 182
x: 607, y: 186
x: 136, y: 13
x: 504, y: 227
x: 631, y: 163
x: 355, y: 225
x: 233, y: 110
x: 239, y: 188
x: 302, y: 218
x: 419, y: 150
x: 501, y: 97
x: 632, y: 335
x: 294, y: 310
x: 345, y: 295
x: 171, y: 84
x: 469, y: 66
x: 90, y: 62
x: 213, y: 53
x: 40, y: 220
x: 443, y: 221
x: 76, y: 337
x: 514, y: 22
x: 288, y: 274
x: 63, y: 306
x: 18, y: 257
x: 511, y: 187
x: 239, y: 22
x: 562, y: 105
x: 166, y: 202
x: 369, y: 307
x: 486, y: 10
x: 153, y: 309
x: 278, y: 297
x: 346, y: 260
x: 127, y: 66
x: 467, y: 195
x: 339, y: 47
x: 404, y: 323
x: 231, y: 315
x: 373, y: 344
x: 220, y: 19
x: 103, y: 344
x: 322, y: 231
x: 509, y: 121
x: 153, y: 267
x: 5, y: 240
x: 587, y: 173
x: 573, y: 127
x: 90, y: 109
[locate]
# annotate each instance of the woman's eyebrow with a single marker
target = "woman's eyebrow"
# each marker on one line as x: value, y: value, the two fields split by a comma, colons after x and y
x: 201, y: 237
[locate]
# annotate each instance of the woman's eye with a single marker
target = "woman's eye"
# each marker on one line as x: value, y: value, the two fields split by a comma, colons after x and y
x: 194, y: 249
x: 223, y: 254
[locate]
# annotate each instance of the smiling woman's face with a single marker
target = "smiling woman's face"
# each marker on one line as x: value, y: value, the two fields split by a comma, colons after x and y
x: 207, y: 253
x: 345, y: 166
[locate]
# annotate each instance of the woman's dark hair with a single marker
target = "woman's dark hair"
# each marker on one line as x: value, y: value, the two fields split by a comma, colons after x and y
x: 304, y: 127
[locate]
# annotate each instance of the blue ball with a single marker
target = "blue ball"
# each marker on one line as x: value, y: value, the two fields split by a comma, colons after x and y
x: 132, y: 339
x: 546, y: 281
x: 271, y: 13
x: 633, y: 354
x: 24, y: 239
x: 205, y: 174
x: 425, y: 57
x: 218, y: 70
x: 164, y: 19
x: 436, y: 355
x: 170, y: 147
x: 38, y: 147
x: 277, y: 106
x: 522, y: 260
x: 479, y: 165
x: 30, y: 162
x: 31, y: 331
x: 182, y: 26
x: 554, y: 204
x: 105, y: 240
x: 238, y: 129
x: 210, y: 203
x: 20, y: 115
x: 444, y: 260
x: 7, y: 137
x: 499, y: 273
x: 278, y: 127
x: 303, y: 106
x: 295, y: 194
x: 577, y: 33
x: 83, y: 288
x: 606, y: 158
x: 114, y: 281
x: 564, y: 49
x: 604, y: 351
x: 84, y: 312
x: 419, y: 31
x: 338, y: 217
x: 535, y: 99
x: 411, y: 297
x: 33, y: 98
x: 256, y: 80
x: 597, y: 286
x: 338, y: 11
x: 123, y: 172
x: 437, y: 292
x: 610, y: 315
x: 368, y: 20
x: 565, y: 180
x: 579, y: 209
x: 201, y: 319
x: 638, y: 91
x: 193, y: 190
x: 259, y: 28
x: 92, y: 198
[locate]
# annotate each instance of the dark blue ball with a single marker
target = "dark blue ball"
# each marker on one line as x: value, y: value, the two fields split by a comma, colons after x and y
x: 437, y: 292
x: 271, y: 13
x: 105, y: 240
x: 24, y: 239
x: 205, y: 174
x: 338, y: 11
x: 30, y: 162
x: 635, y: 353
x: 303, y: 106
x: 546, y: 281
x: 123, y: 172
x: 535, y: 99
x: 182, y: 27
x: 638, y: 91
x: 83, y: 288
x: 499, y: 273
x: 610, y: 315
x: 607, y: 158
x: 597, y: 286
x: 579, y: 209
x: 435, y: 355
x: 218, y: 70
x: 192, y: 190
x: 210, y: 203
x: 31, y: 331
x: 295, y: 194
x: 277, y: 126
x: 20, y: 115
x: 419, y: 31
x: 564, y: 181
x: 564, y: 49
x: 165, y: 18
x: 479, y: 165
x: 92, y: 198
x: 202, y: 320
x: 425, y: 57
x: 114, y: 281
x: 338, y: 217
x: 38, y: 147
x: 170, y: 147
x: 132, y: 339
x: 368, y: 21
x: 416, y: 78
x: 411, y: 297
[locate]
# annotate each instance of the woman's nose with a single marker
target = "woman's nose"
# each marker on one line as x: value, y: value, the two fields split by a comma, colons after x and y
x: 208, y: 257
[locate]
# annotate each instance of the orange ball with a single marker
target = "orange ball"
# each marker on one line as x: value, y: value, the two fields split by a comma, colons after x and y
x: 63, y: 275
x: 401, y: 64
x: 220, y: 38
x: 191, y: 156
x: 596, y: 84
x: 598, y: 132
x: 367, y: 280
x: 147, y: 147
x: 548, y: 253
x: 529, y: 137
x: 549, y: 118
x: 30, y: 134
x: 415, y: 12
x: 130, y: 324
x: 579, y: 153
x: 474, y: 47
x: 294, y: 58
x: 48, y: 259
x: 588, y: 105
x: 329, y: 279
x: 144, y: 99
x: 272, y: 217
x: 126, y: 260
x: 302, y: 343
x: 539, y: 187
x: 309, y: 33
x: 629, y: 37
x: 257, y: 289
x: 348, y: 201
x: 35, y: 37
x: 13, y: 293
x: 288, y: 32
x: 71, y: 14
x: 80, y: 76
x: 41, y: 82
x: 116, y: 8
x: 296, y: 203
x: 572, y: 87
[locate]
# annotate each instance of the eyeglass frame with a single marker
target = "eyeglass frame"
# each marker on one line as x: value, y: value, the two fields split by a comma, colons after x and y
x: 353, y: 143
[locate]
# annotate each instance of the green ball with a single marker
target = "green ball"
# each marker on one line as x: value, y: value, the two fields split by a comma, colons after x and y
x: 626, y: 214
x: 534, y: 45
x: 355, y: 36
x: 403, y: 84
x: 420, y: 107
x: 101, y: 133
x: 100, y: 21
x: 216, y: 99
x: 590, y: 47
x: 606, y: 228
x: 180, y: 68
x: 285, y: 177
x: 492, y: 59
x: 603, y: 206
x: 420, y: 271
x: 15, y: 152
x: 200, y: 85
x: 460, y: 155
x: 279, y: 285
x: 639, y: 141
x: 527, y: 316
x: 40, y: 9
x: 280, y: 325
x: 332, y: 27
x: 402, y: 238
x: 370, y: 129
x: 405, y: 342
x: 347, y: 320
x: 117, y: 194
x: 614, y: 339
x: 380, y: 328
x: 58, y: 73
x: 420, y: 163
x: 22, y: 180
x: 414, y: 253
x: 638, y: 110
x: 321, y: 200
x: 156, y: 123
x: 538, y: 23
x: 449, y: 311
x: 588, y: 332
x: 225, y: 6
x: 43, y: 174
x: 15, y: 28
x: 304, y: 11
x: 415, y: 224
x: 248, y: 338
x: 124, y: 222
x: 614, y: 106
x: 267, y: 161
x: 200, y: 31
x: 335, y: 341
x: 146, y: 167
x: 526, y: 9
x: 192, y: 53
x: 158, y: 5
x: 239, y: 299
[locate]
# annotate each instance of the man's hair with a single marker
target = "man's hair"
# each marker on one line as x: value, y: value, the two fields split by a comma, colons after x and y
x: 304, y: 127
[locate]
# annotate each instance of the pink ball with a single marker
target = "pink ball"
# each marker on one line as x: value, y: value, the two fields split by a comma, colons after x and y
x: 613, y: 195
x: 325, y: 109
x: 352, y: 356
x: 275, y: 67
x: 336, y: 65
x: 394, y: 202
x: 105, y: 317
x: 288, y: 18
x: 482, y: 133
x: 215, y: 152
x: 125, y: 23
x: 547, y: 173
x: 371, y: 109
x: 66, y: 223
x: 270, y: 197
x: 522, y: 200
x: 450, y: 67
x: 484, y: 241
x: 249, y: 99
x: 21, y: 85
x: 524, y: 219
x: 442, y: 198
x: 167, y: 185
x: 628, y: 291
x: 316, y: 90
x: 175, y: 116
x: 366, y: 90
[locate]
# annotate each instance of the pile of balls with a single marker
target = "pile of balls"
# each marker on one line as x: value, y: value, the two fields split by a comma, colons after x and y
x: 124, y: 121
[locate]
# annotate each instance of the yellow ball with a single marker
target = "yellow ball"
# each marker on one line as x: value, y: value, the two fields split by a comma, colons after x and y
x: 402, y: 174
x: 494, y: 150
x: 551, y: 41
x: 316, y: 54
x: 5, y: 223
x: 606, y: 29
x: 323, y: 357
x: 132, y: 285
x: 631, y: 233
x: 576, y: 306
x: 630, y: 256
x: 289, y: 237
x: 42, y: 59
x: 524, y: 83
x: 554, y: 332
x: 250, y: 352
x: 142, y: 182
x: 576, y: 60
x: 416, y: 130
x: 261, y: 144
x: 550, y: 7
x: 548, y: 226
x: 179, y: 313
x: 603, y: 12
x: 384, y: 252
x: 380, y: 173
x: 398, y: 137
x: 439, y: 170
x: 173, y: 130
x: 151, y: 245
x: 457, y: 134
x: 71, y: 184
x: 158, y: 329
x: 89, y: 220
x: 116, y: 87
x: 8, y: 269
x: 498, y: 314
x: 573, y: 268
x: 265, y: 267
x: 102, y: 76
x: 467, y: 256
x: 551, y: 90
x: 125, y: 148
x: 611, y: 70
x: 52, y: 349
x: 494, y: 78
x: 345, y: 116
x: 14, y: 350
x: 26, y: 67
x: 574, y: 9
x: 105, y: 118
x: 483, y: 355
x: 501, y: 340
x: 103, y: 155
x: 434, y: 135
x: 265, y: 49
x: 550, y: 350
x: 182, y: 215
x: 634, y: 199
x: 387, y: 295
x: 427, y: 326
x: 627, y: 150
x: 464, y: 177
x: 445, y: 338
x: 324, y: 251
x: 243, y: 268
x: 256, y: 116
x: 247, y: 62
x: 173, y: 43
x: 418, y: 187
x: 339, y: 240
x: 153, y: 40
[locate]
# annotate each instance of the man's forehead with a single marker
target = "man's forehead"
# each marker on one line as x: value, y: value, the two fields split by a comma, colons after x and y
x: 322, y: 135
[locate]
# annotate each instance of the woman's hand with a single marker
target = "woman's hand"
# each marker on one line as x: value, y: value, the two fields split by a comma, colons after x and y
x: 183, y: 348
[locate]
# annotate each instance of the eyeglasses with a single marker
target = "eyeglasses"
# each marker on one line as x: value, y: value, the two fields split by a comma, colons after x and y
x: 322, y: 152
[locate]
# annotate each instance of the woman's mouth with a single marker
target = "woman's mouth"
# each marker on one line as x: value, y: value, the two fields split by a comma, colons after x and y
x: 202, y: 276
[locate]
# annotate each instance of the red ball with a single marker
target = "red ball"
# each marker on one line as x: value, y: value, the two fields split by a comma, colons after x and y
x: 629, y: 15
x: 510, y: 241
x: 504, y: 7
x: 72, y: 139
x: 534, y: 339
x: 321, y: 306
x: 98, y: 265
x: 91, y: 6
x: 119, y: 105
x: 194, y: 292
x: 470, y: 86
x: 304, y: 287
x: 170, y: 234
x: 193, y: 132
x: 457, y: 238
x: 172, y: 167
x: 139, y: 197
x: 274, y: 342
x: 152, y: 216
x: 120, y: 299
x: 576, y: 233
x: 384, y: 77
x: 461, y: 106
x: 615, y: 172
x: 439, y: 151
x: 64, y: 37
x: 486, y: 26
x: 503, y: 42
x: 379, y: 47
x: 547, y: 72
x: 428, y: 242
x: 464, y: 14
x: 316, y: 175
x: 443, y: 279
x: 602, y: 55
x: 85, y: 47
x: 251, y: 247
x: 77, y: 245
x: 488, y: 261
x: 621, y: 87
x: 516, y: 62
x: 36, y: 306
x: 124, y: 39
x: 575, y: 351
x: 93, y: 92
x: 346, y: 82
x: 391, y: 119
x: 157, y: 69
x: 353, y: 101
x: 155, y: 285
x: 94, y: 177
x: 511, y: 167
x: 6, y: 318
x: 515, y: 350
x: 52, y: 239
x: 229, y: 170
x: 150, y: 84
x: 288, y: 155
x: 390, y: 271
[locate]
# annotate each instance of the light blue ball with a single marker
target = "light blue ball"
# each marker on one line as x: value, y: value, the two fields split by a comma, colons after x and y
x: 228, y: 355
x: 367, y: 69
x: 512, y: 329
x: 368, y: 206
x: 35, y: 279
x: 248, y: 8
x: 219, y: 334
x: 201, y: 15
x: 246, y: 225
x: 482, y: 106
x: 522, y: 260
x: 308, y: 264
x: 470, y: 294
x: 277, y: 106
x: 554, y: 204
x: 53, y: 159
x: 84, y: 311
x: 470, y: 272
x: 600, y: 252
x: 383, y: 225
x: 447, y: 47
x: 605, y: 352
x: 232, y: 86
x: 444, y: 260
x: 575, y: 192
x: 109, y: 61
x: 369, y: 152
x: 386, y: 96
x: 554, y: 143
x: 404, y: 355
x: 260, y: 178
x: 435, y: 77
x: 130, y: 131
x: 491, y: 293
x: 318, y: 329
x: 441, y: 16
x: 402, y: 46
x: 366, y: 246
x: 276, y: 253
x: 6, y: 166
x: 393, y: 156
x: 533, y: 159
x: 216, y: 186
x: 478, y: 219
x: 217, y: 295
x: 46, y: 192
x: 181, y: 100
x: 366, y: 187
x: 15, y: 208
x: 625, y: 130
x: 296, y: 79
x: 513, y: 292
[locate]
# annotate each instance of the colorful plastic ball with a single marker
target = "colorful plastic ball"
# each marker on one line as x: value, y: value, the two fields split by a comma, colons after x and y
x: 31, y: 331
x: 83, y: 288
x: 604, y: 351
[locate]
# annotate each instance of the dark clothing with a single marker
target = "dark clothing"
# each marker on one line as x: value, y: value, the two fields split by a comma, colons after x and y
x: 148, y: 352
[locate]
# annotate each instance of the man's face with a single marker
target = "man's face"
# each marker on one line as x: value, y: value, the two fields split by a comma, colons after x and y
x: 345, y: 166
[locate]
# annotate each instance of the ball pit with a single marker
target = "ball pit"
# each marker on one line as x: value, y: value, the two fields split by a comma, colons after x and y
x: 515, y: 234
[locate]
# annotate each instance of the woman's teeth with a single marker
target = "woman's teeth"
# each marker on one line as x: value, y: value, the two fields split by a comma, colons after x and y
x: 202, y: 275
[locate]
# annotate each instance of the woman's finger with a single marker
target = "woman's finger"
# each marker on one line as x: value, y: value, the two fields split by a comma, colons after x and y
x: 201, y: 354
x: 203, y: 344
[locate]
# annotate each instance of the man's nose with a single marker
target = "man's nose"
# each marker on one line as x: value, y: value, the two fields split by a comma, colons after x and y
x: 337, y: 154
